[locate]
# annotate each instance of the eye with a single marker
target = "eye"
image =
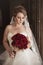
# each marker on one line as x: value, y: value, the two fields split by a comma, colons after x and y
x: 18, y: 17
x: 22, y: 17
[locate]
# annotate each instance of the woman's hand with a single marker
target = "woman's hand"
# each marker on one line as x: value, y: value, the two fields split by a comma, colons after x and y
x: 29, y: 45
x: 11, y: 53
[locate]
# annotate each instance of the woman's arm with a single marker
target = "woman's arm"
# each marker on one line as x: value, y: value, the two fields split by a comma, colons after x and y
x: 29, y: 37
x: 5, y: 43
x: 32, y: 41
x: 29, y: 43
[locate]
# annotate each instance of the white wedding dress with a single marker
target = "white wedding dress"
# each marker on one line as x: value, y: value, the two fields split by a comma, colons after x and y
x: 22, y: 57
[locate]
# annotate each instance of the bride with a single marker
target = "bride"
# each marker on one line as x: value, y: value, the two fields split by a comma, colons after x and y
x: 13, y: 55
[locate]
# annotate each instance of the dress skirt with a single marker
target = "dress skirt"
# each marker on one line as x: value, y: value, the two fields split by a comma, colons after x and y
x: 23, y: 57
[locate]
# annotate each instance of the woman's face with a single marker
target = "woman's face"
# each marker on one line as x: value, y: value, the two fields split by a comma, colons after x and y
x: 19, y: 18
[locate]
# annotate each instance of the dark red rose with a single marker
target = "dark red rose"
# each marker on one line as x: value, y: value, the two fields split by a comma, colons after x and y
x: 20, y: 41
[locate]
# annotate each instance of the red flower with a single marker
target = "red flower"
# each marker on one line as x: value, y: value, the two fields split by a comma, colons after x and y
x: 20, y: 41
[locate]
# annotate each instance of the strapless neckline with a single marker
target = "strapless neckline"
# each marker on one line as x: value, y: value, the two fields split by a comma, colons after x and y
x: 10, y: 33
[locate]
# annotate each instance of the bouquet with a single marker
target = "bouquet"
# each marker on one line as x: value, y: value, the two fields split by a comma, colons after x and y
x: 20, y: 41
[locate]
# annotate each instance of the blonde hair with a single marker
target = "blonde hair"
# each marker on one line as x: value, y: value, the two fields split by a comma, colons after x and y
x: 18, y: 9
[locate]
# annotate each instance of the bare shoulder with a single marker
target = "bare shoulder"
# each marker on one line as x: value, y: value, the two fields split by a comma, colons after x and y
x: 8, y: 28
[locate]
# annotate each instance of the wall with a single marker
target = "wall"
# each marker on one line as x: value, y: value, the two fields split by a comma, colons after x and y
x: 41, y: 27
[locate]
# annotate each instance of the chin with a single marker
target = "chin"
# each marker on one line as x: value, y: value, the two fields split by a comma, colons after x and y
x: 19, y: 23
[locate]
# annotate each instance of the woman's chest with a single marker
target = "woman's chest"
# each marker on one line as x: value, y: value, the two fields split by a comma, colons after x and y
x: 17, y: 30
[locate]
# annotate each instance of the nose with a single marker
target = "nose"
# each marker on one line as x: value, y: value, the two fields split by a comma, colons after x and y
x: 20, y: 19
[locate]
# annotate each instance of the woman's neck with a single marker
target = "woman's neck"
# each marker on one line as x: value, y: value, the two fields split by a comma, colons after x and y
x: 17, y: 25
